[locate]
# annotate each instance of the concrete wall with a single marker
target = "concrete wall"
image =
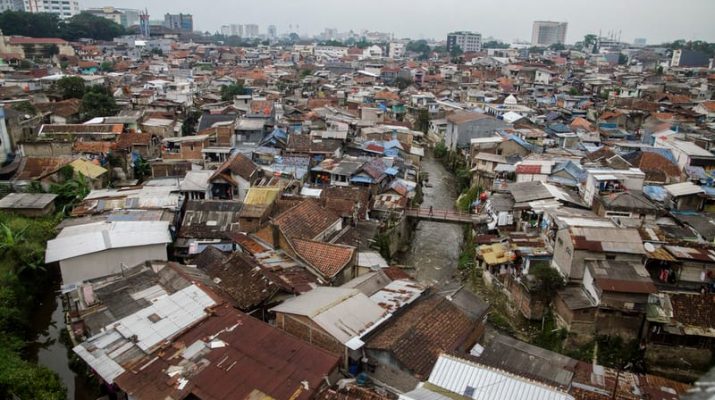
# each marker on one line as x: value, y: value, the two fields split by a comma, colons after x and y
x: 47, y: 149
x: 108, y: 262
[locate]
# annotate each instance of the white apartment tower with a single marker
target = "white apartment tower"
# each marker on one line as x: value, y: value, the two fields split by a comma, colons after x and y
x: 546, y: 33
x: 63, y: 8
x: 12, y: 5
x: 469, y: 42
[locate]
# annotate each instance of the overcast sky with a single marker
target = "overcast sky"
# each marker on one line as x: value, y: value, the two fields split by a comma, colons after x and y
x: 655, y: 20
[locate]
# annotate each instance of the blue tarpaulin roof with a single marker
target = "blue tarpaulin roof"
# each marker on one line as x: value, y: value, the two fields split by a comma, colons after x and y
x: 361, y: 179
x: 392, y: 171
x: 655, y: 193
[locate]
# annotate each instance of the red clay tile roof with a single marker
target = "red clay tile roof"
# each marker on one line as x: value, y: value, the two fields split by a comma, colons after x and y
x: 39, y: 167
x: 306, y: 221
x: 528, y: 169
x: 656, y: 167
x: 327, y: 258
x: 127, y: 140
x: 64, y: 108
x: 239, y: 165
x: 610, y: 114
x: 92, y: 147
x: 426, y: 329
x: 708, y: 105
x: 246, y: 242
x: 694, y: 309
x: 261, y: 107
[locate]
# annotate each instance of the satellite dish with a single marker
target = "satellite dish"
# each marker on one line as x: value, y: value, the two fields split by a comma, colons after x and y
x: 649, y: 247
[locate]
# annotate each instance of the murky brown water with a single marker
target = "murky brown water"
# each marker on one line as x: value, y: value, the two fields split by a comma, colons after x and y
x: 435, y: 246
x: 48, y: 350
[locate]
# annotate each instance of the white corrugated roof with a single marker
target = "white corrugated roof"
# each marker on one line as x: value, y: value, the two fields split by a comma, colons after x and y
x: 397, y: 293
x: 342, y: 312
x: 477, y: 381
x: 683, y: 189
x: 164, y: 319
x: 75, y: 241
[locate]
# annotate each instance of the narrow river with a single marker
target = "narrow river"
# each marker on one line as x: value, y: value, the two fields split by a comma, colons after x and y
x: 49, y: 350
x: 433, y: 254
x: 435, y: 247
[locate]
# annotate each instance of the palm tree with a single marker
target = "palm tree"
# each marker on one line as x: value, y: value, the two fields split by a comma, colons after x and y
x: 14, y: 244
x: 71, y: 191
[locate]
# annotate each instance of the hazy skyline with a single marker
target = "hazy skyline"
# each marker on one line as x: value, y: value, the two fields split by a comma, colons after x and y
x: 656, y: 20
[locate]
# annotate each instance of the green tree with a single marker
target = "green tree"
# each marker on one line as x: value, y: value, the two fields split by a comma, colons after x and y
x: 403, y: 83
x: 98, y: 102
x: 72, y: 191
x: 622, y: 59
x: 53, y: 50
x: 363, y: 44
x: 83, y: 25
x: 107, y: 66
x: 188, y: 128
x: 495, y: 44
x: 422, y: 122
x: 589, y: 41
x: 24, y: 380
x: 25, y: 107
x: 142, y: 169
x: 19, y: 288
x: 332, y: 43
x: 30, y: 24
x: 421, y: 47
x: 440, y: 150
x: 547, y: 282
x: 228, y: 92
x: 557, y: 47
x: 456, y: 52
x: 293, y: 37
x: 86, y: 25
x: 70, y: 87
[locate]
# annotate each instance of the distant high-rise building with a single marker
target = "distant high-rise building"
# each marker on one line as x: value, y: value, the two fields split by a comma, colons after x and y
x: 64, y: 8
x: 329, y: 34
x: 396, y: 49
x: 469, y: 42
x: 251, y: 30
x: 272, y: 31
x: 12, y: 5
x: 179, y: 22
x: 232, y: 30
x: 546, y: 33
x: 640, y: 42
x: 123, y: 16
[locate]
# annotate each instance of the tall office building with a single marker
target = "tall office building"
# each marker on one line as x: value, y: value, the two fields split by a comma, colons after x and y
x: 63, y: 8
x: 12, y: 5
x: 251, y: 30
x: 123, y: 16
x: 272, y: 31
x: 469, y: 42
x: 179, y: 22
x: 232, y: 30
x: 546, y: 33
